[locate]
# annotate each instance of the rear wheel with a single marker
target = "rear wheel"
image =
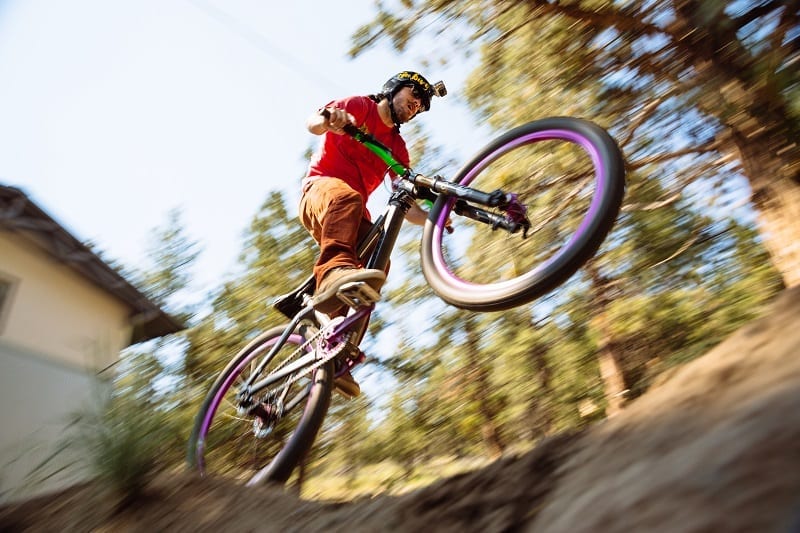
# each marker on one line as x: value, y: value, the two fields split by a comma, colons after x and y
x: 267, y: 443
x: 569, y: 175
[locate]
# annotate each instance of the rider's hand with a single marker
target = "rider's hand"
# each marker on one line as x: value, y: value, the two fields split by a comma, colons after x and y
x: 337, y: 120
x: 330, y: 119
x: 448, y: 225
x: 418, y: 215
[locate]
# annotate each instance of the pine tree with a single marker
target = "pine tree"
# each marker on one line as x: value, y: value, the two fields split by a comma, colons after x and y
x: 702, y: 83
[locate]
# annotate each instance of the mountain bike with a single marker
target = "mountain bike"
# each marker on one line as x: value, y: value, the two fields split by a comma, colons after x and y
x: 529, y: 210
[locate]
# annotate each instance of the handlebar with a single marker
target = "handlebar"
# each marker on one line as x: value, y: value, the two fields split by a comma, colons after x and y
x: 373, y: 144
x: 436, y: 184
x: 429, y: 188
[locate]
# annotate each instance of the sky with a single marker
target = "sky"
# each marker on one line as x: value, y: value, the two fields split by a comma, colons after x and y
x: 114, y: 112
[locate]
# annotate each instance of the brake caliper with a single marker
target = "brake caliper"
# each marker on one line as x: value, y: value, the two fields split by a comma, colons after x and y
x: 515, y: 214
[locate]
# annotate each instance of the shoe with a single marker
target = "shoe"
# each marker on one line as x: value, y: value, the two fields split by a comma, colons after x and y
x: 325, y: 299
x: 346, y: 385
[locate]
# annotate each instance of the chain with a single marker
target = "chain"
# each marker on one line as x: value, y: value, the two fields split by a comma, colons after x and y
x: 327, y: 355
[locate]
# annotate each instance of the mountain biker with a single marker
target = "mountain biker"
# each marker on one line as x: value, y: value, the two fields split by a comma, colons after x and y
x: 341, y: 176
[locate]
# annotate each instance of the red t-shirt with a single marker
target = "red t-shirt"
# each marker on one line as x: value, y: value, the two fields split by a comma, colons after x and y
x: 341, y: 157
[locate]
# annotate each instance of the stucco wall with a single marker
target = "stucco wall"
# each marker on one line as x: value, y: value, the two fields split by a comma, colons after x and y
x: 40, y: 449
x: 58, y: 332
x: 56, y: 312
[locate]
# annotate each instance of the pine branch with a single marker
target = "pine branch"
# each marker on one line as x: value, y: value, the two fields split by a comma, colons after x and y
x: 668, y: 156
x: 598, y: 18
x: 645, y: 113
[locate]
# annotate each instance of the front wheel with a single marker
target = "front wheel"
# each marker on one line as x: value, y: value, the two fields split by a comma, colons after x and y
x: 567, y: 174
x: 268, y: 441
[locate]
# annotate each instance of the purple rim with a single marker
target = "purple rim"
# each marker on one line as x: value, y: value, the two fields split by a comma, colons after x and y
x: 558, y: 134
x: 212, y: 408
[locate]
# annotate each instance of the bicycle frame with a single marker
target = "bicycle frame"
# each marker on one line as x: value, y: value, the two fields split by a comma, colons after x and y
x: 281, y: 382
x: 376, y: 248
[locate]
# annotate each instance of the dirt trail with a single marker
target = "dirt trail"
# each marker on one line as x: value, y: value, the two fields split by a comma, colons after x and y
x: 713, y: 447
x: 716, y: 447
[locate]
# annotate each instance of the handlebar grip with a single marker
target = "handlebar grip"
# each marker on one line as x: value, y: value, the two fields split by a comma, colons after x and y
x: 349, y: 129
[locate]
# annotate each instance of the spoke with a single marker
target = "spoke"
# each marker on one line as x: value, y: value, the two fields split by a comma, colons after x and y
x: 302, y: 395
x: 230, y: 416
x: 238, y: 444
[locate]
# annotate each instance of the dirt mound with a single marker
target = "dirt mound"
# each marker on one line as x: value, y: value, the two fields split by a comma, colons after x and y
x: 713, y: 447
x: 716, y: 447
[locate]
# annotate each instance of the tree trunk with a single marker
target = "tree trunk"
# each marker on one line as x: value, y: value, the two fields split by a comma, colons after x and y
x: 608, y: 360
x: 480, y: 375
x: 767, y: 144
x: 776, y: 196
x: 610, y: 369
x: 297, y: 488
x: 613, y: 381
x: 540, y: 413
x: 762, y: 127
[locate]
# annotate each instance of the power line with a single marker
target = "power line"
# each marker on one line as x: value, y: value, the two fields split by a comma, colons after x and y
x: 258, y: 40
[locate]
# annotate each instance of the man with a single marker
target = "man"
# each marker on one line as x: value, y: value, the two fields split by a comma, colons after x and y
x: 341, y: 176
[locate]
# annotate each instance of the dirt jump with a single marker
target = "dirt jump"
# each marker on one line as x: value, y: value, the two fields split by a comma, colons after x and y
x: 713, y: 446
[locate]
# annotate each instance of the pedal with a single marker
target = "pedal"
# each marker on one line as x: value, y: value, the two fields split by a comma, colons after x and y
x: 358, y: 294
x: 350, y: 357
x: 343, y: 381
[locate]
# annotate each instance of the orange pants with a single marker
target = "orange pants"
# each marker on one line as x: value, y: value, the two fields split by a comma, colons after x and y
x: 334, y: 215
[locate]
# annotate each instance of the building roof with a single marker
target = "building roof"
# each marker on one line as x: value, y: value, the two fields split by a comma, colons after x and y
x: 20, y: 214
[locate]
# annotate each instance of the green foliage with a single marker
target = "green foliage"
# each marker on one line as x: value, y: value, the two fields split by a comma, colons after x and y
x: 129, y: 434
x: 135, y: 427
x: 172, y: 255
x: 687, y: 87
x: 681, y: 270
x: 123, y: 446
x: 276, y: 257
